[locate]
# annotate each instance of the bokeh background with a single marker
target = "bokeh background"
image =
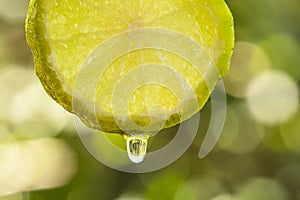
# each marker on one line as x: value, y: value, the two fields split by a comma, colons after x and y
x: 256, y: 158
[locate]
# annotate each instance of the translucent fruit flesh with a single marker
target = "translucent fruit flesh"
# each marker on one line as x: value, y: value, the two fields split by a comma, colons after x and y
x: 63, y: 34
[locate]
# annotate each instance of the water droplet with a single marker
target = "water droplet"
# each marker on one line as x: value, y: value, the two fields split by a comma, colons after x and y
x: 136, y: 148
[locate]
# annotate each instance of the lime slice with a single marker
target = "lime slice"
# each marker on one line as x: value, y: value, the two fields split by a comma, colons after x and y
x: 130, y: 42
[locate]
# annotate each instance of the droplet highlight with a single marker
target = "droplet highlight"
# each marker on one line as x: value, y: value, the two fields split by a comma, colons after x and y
x: 136, y: 148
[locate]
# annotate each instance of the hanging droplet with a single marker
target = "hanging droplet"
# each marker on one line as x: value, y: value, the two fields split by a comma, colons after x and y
x: 136, y: 148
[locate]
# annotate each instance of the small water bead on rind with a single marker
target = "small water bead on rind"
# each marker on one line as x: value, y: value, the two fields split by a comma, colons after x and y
x: 136, y: 148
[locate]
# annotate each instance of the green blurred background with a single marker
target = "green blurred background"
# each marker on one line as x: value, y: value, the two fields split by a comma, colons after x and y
x: 256, y: 158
